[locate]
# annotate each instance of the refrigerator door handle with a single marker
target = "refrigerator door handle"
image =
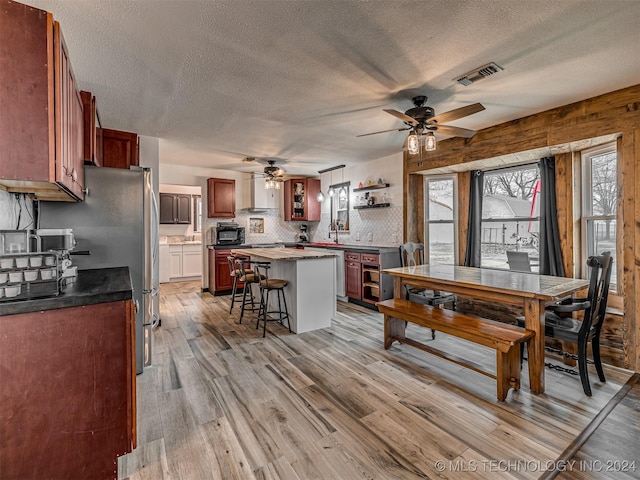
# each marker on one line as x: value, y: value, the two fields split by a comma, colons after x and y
x: 137, y: 305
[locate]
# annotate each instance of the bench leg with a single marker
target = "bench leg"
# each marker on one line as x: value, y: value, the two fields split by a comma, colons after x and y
x: 393, y: 328
x: 508, y: 371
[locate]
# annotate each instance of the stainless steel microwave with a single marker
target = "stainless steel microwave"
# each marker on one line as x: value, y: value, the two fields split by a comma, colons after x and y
x: 227, y: 233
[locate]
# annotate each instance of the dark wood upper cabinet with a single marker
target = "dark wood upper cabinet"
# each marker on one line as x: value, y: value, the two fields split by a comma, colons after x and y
x: 221, y: 198
x: 92, y: 139
x: 41, y: 125
x: 175, y: 208
x: 301, y: 200
x: 119, y: 149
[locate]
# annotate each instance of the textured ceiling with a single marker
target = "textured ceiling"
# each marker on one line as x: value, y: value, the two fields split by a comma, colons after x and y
x: 298, y: 80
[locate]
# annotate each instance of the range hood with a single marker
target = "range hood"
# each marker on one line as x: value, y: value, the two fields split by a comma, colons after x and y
x: 261, y: 198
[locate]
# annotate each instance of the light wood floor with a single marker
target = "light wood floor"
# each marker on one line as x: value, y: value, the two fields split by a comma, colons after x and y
x: 221, y: 402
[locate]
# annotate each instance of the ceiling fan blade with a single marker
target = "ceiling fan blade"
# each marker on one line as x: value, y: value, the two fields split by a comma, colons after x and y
x: 402, y: 116
x: 384, y: 131
x: 457, y: 113
x: 454, y: 131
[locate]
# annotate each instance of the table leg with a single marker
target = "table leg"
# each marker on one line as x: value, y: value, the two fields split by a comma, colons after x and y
x: 398, y: 290
x: 534, y: 320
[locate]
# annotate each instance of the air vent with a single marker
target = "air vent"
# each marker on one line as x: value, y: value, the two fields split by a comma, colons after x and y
x: 478, y: 74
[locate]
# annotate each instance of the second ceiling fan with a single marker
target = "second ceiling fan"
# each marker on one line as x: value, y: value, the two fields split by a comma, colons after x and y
x: 422, y: 121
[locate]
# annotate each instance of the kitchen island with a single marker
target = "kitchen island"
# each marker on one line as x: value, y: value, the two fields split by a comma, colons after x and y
x: 311, y: 277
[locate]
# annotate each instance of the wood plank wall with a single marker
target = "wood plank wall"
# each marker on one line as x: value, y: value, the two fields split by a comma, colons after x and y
x: 613, y: 113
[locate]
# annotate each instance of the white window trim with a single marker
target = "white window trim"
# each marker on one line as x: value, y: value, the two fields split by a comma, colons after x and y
x: 586, y: 205
x: 454, y: 221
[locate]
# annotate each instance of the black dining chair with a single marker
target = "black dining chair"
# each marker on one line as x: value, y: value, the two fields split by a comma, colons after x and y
x: 412, y: 254
x: 559, y: 323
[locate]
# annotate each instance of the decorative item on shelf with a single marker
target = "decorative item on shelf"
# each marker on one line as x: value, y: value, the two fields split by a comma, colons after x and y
x: 360, y: 185
x: 369, y: 183
x: 380, y: 182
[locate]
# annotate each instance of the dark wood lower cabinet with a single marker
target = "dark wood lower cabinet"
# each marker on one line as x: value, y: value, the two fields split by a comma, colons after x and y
x: 365, y: 283
x: 353, y: 279
x: 67, y: 392
x: 220, y: 279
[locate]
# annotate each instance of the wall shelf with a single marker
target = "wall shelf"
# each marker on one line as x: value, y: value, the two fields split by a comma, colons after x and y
x: 376, y: 186
x: 375, y: 205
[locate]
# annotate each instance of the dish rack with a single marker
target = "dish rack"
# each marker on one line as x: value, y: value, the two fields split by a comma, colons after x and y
x: 29, y: 275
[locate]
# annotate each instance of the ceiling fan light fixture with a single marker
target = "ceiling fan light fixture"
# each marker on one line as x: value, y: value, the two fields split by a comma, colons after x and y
x: 413, y: 143
x: 430, y: 142
x: 271, y: 184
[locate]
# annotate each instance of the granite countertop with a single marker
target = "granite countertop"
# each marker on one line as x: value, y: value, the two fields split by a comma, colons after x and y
x: 286, y: 253
x: 187, y: 242
x: 99, y: 285
x: 332, y: 246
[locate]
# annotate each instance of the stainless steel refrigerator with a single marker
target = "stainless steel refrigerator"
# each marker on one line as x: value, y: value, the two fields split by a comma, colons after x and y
x: 118, y: 224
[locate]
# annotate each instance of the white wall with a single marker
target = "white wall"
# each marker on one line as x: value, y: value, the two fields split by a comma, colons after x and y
x: 377, y: 226
x: 10, y: 211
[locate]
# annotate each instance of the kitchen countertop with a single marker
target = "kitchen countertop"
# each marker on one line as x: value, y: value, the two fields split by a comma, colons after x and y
x: 286, y: 253
x: 99, y: 285
x: 359, y: 248
x: 188, y: 242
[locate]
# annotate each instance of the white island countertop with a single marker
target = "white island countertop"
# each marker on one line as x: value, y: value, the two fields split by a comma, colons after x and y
x: 284, y: 253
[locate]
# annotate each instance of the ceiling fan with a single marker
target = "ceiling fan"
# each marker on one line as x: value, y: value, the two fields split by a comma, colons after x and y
x: 272, y: 174
x: 422, y: 120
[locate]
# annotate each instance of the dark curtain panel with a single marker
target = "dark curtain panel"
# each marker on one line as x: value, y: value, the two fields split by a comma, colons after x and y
x: 474, y: 232
x: 550, y: 253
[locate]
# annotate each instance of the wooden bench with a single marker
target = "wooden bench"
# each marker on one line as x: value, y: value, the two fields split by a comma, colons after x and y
x: 504, y: 338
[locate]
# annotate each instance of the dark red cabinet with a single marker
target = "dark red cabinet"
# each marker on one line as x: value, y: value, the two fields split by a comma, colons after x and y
x: 119, y: 149
x: 353, y: 275
x: 41, y: 120
x: 220, y: 280
x: 221, y: 194
x: 93, y: 146
x: 301, y: 200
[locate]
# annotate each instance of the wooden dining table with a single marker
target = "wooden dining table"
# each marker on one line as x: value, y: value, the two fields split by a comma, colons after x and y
x: 528, y: 290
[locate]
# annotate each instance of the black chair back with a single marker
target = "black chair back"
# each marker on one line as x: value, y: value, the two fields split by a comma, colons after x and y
x: 600, y: 272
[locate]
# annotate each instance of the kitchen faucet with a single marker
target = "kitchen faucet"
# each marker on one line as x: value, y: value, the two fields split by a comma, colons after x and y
x: 336, y: 236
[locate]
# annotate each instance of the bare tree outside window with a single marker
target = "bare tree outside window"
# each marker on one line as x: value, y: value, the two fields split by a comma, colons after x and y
x: 510, y: 218
x: 604, y: 189
x: 599, y: 200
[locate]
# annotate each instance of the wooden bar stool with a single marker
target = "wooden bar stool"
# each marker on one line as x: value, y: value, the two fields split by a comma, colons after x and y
x: 242, y: 273
x: 234, y: 273
x: 267, y: 285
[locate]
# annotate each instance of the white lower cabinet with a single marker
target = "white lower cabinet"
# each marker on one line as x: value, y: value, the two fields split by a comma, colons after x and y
x: 175, y: 261
x: 185, y: 261
x: 191, y: 260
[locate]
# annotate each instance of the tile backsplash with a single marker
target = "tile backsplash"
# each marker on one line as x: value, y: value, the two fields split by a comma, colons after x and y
x: 379, y: 227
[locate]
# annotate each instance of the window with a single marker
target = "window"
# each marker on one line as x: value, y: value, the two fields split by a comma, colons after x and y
x: 599, y: 198
x: 510, y: 215
x: 197, y: 213
x: 440, y: 220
